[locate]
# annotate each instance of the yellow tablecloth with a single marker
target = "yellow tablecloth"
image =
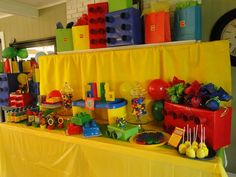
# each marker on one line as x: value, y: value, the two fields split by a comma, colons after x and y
x: 31, y: 152
x: 205, y: 62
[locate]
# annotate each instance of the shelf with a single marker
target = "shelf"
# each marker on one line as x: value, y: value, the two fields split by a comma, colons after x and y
x: 128, y: 47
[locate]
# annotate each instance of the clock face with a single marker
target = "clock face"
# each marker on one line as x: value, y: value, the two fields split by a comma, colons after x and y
x: 225, y: 28
x: 229, y: 33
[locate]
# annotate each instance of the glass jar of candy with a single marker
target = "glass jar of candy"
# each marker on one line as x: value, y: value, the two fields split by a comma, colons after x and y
x: 67, y: 94
x: 138, y: 111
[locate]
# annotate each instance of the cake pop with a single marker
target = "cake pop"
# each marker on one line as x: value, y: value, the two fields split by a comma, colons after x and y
x: 200, y: 151
x: 206, y: 150
x: 190, y: 151
x: 182, y: 146
x: 202, y: 144
x: 195, y: 143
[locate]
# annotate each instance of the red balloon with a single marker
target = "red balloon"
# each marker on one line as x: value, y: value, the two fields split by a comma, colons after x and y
x: 157, y: 89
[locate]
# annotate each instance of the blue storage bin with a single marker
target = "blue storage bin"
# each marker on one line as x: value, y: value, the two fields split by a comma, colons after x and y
x: 124, y: 27
x: 187, y: 23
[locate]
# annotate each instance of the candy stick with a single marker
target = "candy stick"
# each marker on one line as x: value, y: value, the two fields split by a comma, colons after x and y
x: 190, y: 136
x: 204, y: 135
x: 187, y: 132
x: 201, y: 135
x: 196, y: 133
x: 183, y: 136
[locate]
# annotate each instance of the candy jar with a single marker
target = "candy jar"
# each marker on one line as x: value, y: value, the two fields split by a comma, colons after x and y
x: 67, y: 94
x: 138, y: 112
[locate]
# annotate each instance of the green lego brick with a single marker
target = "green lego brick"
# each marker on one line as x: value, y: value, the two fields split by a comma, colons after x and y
x: 115, y: 5
x: 81, y: 118
x: 122, y: 133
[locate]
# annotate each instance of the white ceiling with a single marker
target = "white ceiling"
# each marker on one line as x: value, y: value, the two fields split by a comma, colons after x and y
x: 25, y: 7
x: 41, y: 3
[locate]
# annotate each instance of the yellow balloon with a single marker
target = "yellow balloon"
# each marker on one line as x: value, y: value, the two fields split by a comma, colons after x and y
x: 125, y: 89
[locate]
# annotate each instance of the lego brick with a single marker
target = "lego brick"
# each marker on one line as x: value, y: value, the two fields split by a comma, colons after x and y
x: 34, y: 88
x: 20, y: 100
x: 122, y: 133
x: 13, y: 84
x: 115, y: 5
x: 124, y: 27
x: 96, y: 22
x: 91, y: 129
x: 73, y: 129
x: 81, y: 118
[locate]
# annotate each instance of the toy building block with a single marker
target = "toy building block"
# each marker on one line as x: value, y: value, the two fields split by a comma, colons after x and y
x: 115, y: 5
x: 124, y: 27
x: 20, y: 100
x: 8, y: 84
x: 91, y: 129
x: 109, y: 95
x: 73, y: 129
x: 96, y: 22
x: 115, y: 108
x: 122, y: 133
x: 81, y: 118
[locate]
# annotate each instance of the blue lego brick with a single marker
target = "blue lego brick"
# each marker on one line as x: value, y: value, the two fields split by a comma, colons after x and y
x: 124, y: 27
x: 91, y: 129
x: 4, y: 86
x: 34, y: 88
x: 13, y: 84
x: 4, y: 98
x: 3, y: 77
x: 9, y: 81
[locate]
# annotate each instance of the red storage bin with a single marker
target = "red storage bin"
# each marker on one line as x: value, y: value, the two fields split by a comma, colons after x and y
x: 157, y: 27
x: 217, y: 123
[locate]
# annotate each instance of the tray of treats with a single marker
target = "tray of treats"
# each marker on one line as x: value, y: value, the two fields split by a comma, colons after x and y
x: 150, y: 138
x: 194, y: 149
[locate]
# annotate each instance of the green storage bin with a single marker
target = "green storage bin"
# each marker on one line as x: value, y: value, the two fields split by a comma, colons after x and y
x: 115, y: 5
x: 64, y: 40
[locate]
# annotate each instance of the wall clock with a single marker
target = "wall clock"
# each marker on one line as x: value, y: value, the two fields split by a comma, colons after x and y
x: 225, y: 28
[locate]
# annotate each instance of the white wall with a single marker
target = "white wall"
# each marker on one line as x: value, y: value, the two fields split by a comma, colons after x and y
x: 75, y: 8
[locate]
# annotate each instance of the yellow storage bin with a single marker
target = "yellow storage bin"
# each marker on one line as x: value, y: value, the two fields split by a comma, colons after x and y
x: 113, y: 114
x: 80, y: 37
